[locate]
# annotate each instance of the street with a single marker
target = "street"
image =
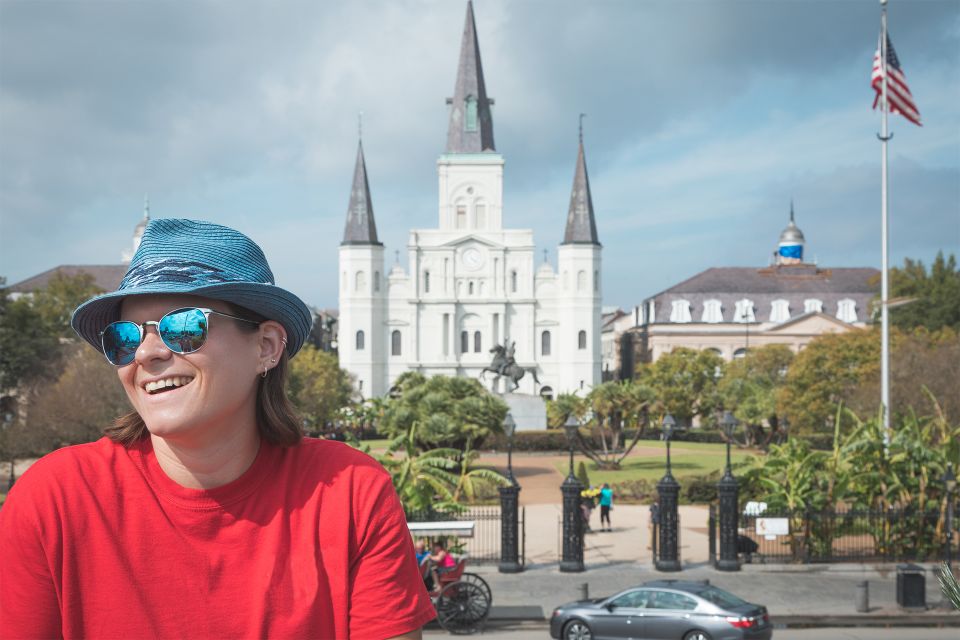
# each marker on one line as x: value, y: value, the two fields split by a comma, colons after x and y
x: 862, y: 633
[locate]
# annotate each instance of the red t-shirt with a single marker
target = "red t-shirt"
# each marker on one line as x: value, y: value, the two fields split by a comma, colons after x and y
x: 311, y: 542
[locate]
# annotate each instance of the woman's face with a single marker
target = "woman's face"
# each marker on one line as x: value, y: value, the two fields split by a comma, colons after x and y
x: 195, y: 398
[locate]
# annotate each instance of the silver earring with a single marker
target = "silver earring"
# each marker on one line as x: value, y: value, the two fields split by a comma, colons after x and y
x: 264, y: 374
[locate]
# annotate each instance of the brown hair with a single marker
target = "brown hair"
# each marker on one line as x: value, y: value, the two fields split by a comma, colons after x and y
x: 277, y: 420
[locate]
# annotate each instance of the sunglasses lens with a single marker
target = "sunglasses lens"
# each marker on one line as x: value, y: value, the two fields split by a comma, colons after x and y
x: 120, y: 342
x: 183, y: 330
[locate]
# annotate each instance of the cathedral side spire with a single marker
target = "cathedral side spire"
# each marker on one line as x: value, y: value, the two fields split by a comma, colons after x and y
x: 471, y: 123
x: 361, y: 227
x: 581, y: 224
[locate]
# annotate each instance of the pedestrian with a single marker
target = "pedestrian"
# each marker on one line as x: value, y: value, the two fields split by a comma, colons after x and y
x: 586, y: 507
x: 606, y: 506
x: 654, y: 526
x: 204, y: 512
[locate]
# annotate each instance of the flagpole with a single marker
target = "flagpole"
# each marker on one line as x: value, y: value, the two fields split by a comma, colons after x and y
x: 884, y: 239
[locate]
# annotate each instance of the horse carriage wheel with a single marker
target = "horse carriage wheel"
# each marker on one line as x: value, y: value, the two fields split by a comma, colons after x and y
x: 480, y: 582
x: 462, y: 608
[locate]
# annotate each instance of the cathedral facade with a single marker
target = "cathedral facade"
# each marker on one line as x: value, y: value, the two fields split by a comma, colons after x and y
x: 471, y: 284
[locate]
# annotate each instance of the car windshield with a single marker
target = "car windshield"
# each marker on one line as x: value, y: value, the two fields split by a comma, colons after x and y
x: 721, y: 598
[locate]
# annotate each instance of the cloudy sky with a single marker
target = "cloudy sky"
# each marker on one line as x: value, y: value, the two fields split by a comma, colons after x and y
x: 703, y: 120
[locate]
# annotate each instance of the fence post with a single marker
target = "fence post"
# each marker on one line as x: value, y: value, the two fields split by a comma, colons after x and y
x: 807, y: 528
x: 712, y: 535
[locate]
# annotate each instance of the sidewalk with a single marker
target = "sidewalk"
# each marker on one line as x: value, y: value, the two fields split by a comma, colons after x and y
x: 794, y: 594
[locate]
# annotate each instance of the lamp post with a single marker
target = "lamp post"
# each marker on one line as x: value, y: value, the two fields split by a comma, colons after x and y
x: 509, y: 499
x: 668, y: 490
x: 572, y: 558
x: 950, y: 483
x: 728, y: 491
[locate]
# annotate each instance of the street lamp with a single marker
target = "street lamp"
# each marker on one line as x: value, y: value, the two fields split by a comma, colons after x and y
x: 667, y: 427
x: 509, y: 500
x: 572, y: 559
x: 950, y: 482
x: 728, y: 492
x: 668, y: 490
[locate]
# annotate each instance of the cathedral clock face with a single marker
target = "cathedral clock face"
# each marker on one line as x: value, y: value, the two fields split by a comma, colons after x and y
x: 472, y: 259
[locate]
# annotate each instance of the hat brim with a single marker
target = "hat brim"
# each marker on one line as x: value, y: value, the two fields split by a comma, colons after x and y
x: 267, y: 300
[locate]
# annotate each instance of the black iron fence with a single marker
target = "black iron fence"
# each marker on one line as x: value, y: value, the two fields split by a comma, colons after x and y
x: 838, y: 536
x: 484, y: 546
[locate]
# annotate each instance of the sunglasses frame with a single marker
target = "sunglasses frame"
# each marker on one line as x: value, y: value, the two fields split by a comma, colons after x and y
x: 142, y: 328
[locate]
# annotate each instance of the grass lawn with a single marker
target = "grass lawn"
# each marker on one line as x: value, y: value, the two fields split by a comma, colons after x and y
x: 686, y: 459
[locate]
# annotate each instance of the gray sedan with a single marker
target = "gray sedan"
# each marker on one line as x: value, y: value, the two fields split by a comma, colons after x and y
x: 663, y: 610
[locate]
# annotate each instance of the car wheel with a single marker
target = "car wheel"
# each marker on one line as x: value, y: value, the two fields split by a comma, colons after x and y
x: 577, y: 630
x: 697, y: 635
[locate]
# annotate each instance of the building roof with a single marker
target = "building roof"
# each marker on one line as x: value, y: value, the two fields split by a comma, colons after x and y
x: 106, y: 277
x: 361, y: 228
x: 581, y: 225
x: 793, y: 283
x: 470, y: 87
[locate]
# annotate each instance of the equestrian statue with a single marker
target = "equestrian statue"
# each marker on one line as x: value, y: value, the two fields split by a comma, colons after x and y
x: 505, y: 365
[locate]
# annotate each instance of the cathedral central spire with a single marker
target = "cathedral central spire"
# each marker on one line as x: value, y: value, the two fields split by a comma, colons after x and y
x: 361, y: 227
x: 471, y: 124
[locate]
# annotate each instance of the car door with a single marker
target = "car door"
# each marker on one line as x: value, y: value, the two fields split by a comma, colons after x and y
x: 621, y: 618
x: 668, y: 615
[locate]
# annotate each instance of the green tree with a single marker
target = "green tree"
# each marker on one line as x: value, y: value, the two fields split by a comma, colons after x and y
x: 936, y: 294
x: 615, y: 406
x: 564, y: 406
x: 85, y: 398
x: 751, y: 387
x: 29, y: 351
x: 423, y: 480
x: 450, y: 411
x: 827, y: 372
x: 318, y: 387
x: 60, y: 297
x: 685, y: 383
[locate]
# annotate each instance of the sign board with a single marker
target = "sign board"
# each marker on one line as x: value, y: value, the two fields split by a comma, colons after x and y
x: 773, y: 526
x: 458, y: 528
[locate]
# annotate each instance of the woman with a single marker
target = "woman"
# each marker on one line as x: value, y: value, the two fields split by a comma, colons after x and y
x: 440, y: 561
x: 204, y: 512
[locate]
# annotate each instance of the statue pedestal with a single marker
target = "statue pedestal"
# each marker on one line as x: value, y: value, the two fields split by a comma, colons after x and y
x: 529, y: 412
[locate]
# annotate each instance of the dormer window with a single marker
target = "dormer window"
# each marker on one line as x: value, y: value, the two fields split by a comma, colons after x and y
x: 780, y: 311
x: 812, y: 305
x: 712, y: 312
x: 847, y: 310
x: 470, y: 122
x: 680, y: 311
x: 744, y: 311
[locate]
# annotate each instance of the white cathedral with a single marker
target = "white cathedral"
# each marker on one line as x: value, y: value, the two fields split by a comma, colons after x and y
x: 471, y: 283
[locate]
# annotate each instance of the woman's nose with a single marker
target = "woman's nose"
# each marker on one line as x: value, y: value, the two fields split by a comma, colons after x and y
x: 152, y: 347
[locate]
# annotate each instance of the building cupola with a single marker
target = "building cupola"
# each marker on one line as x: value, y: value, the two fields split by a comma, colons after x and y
x: 790, y: 248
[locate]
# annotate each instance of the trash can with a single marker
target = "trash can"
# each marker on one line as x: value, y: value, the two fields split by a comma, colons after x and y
x: 911, y: 586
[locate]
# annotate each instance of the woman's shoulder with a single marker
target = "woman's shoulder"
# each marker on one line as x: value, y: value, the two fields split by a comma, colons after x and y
x: 330, y: 456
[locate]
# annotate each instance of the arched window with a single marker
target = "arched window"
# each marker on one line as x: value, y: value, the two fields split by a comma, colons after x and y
x: 513, y: 281
x: 360, y: 281
x: 546, y: 393
x: 680, y: 311
x: 461, y: 216
x: 426, y: 282
x: 470, y: 122
x: 847, y: 310
x: 360, y: 340
x: 395, y: 343
x: 343, y: 281
x: 376, y: 281
x: 545, y: 343
x: 481, y: 214
x: 582, y: 340
x: 476, y: 342
x: 779, y: 310
x: 581, y: 280
x: 596, y: 280
x: 470, y: 288
x: 464, y: 342
x: 744, y: 311
x: 739, y: 353
x: 712, y: 312
x: 812, y: 305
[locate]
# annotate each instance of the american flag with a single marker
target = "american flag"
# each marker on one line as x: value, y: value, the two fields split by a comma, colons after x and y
x: 898, y: 93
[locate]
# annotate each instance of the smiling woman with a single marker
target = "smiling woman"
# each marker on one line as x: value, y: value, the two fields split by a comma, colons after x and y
x: 205, y: 503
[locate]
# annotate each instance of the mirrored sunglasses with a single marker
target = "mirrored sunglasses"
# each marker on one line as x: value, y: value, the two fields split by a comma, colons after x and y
x: 182, y: 331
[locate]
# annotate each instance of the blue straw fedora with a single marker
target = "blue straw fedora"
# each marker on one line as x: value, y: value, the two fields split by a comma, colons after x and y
x: 204, y: 259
